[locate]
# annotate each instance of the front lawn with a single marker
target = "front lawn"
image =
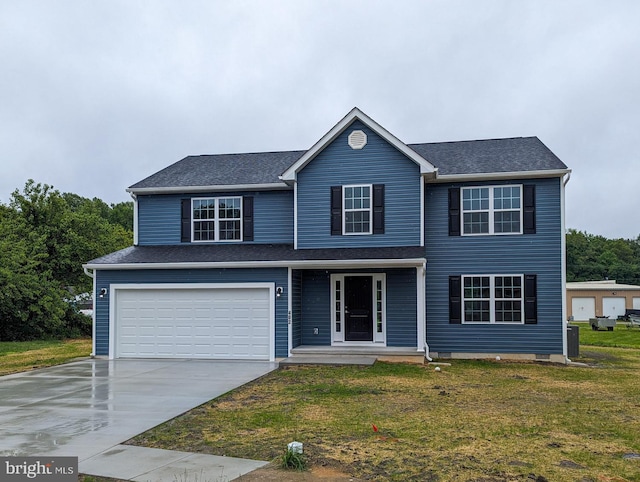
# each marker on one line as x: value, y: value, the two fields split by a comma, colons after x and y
x: 473, y: 420
x: 20, y: 356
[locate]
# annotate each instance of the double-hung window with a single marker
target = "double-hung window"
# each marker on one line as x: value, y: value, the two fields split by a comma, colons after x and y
x: 217, y: 219
x: 492, y: 210
x: 357, y: 209
x: 493, y: 299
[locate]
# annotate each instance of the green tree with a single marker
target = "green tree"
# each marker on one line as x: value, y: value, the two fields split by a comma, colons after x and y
x: 45, y: 237
x: 31, y: 302
x: 591, y: 257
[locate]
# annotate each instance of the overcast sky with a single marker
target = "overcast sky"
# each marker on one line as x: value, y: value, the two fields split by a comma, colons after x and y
x: 97, y: 95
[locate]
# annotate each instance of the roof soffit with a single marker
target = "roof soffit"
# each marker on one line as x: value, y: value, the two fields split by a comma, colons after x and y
x: 356, y: 114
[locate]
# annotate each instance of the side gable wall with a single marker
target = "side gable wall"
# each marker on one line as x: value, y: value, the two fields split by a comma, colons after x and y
x: 159, y: 217
x: 538, y: 253
x: 377, y: 163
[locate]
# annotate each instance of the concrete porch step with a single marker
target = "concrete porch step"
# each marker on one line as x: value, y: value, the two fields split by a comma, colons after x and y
x: 328, y: 360
x: 351, y: 355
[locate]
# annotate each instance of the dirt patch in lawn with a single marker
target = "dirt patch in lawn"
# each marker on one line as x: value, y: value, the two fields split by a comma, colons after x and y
x: 272, y: 473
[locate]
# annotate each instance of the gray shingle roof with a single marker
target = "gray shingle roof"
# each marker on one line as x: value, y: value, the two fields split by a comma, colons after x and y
x: 223, y: 170
x: 518, y: 154
x: 222, y: 253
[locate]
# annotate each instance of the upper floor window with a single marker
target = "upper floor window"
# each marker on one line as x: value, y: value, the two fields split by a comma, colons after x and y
x: 357, y: 209
x: 492, y: 210
x: 217, y: 219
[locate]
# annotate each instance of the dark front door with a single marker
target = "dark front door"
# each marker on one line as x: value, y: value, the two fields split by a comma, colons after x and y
x: 357, y: 308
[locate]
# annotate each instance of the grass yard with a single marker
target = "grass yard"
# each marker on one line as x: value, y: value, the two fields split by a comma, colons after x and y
x: 20, y: 356
x: 474, y: 420
x: 620, y: 337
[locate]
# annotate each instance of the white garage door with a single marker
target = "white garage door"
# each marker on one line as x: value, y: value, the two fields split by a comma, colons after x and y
x: 636, y: 303
x: 583, y: 308
x: 613, y: 306
x: 194, y: 322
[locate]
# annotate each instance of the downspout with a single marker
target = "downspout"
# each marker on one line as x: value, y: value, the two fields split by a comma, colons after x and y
x: 92, y: 275
x: 135, y: 218
x: 424, y: 309
x: 563, y: 257
x: 289, y: 310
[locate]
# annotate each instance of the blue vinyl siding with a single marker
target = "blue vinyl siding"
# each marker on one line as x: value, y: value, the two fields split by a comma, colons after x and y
x: 316, y: 308
x: 296, y: 308
x: 377, y: 163
x: 401, y: 308
x: 159, y: 217
x: 158, y: 220
x: 276, y: 275
x: 538, y: 254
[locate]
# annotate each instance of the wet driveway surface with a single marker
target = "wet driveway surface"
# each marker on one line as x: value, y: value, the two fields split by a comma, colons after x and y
x: 85, y: 407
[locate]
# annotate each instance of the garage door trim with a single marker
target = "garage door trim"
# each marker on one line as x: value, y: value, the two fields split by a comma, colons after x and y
x: 115, y: 288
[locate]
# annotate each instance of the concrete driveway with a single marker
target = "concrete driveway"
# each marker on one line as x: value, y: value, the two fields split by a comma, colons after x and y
x: 86, y: 407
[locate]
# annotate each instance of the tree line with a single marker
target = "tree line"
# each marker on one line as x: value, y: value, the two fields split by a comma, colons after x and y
x: 45, y: 236
x: 593, y: 258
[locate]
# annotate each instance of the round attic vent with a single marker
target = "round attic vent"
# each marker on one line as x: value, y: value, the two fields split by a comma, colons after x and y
x: 357, y: 140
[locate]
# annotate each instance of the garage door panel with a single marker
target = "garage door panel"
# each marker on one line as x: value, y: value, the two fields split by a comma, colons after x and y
x: 613, y: 306
x: 583, y: 308
x: 193, y: 323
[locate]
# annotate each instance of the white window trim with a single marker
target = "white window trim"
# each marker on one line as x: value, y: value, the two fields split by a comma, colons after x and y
x: 337, y: 338
x: 492, y: 299
x: 344, y: 210
x: 216, y: 221
x: 491, y: 210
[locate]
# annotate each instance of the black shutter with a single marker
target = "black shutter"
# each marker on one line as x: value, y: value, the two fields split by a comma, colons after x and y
x: 378, y: 209
x: 454, y: 211
x: 455, y: 299
x: 530, y: 299
x: 529, y: 204
x: 336, y: 210
x: 247, y: 218
x: 185, y: 232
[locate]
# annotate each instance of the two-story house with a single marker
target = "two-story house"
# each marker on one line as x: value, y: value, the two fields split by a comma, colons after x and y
x: 361, y: 244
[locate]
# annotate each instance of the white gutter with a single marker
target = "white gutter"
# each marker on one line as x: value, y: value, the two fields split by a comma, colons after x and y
x: 316, y: 263
x: 196, y: 189
x: 488, y: 176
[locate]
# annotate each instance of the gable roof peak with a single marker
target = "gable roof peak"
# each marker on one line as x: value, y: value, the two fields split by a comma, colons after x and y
x: 354, y: 114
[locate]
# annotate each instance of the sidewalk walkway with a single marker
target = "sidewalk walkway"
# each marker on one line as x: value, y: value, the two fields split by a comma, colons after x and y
x: 143, y: 464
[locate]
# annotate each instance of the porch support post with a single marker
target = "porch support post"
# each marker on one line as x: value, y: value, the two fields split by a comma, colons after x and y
x: 421, y: 304
x: 289, y: 310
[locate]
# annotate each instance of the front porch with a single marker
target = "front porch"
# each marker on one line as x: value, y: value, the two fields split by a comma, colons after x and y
x: 375, y: 311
